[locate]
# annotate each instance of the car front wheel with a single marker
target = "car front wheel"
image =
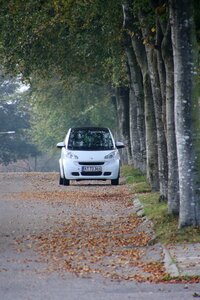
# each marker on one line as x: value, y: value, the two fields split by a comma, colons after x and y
x: 66, y: 181
x: 115, y: 181
x: 61, y: 181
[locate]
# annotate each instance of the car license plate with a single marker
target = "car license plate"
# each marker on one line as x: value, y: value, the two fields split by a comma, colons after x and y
x: 91, y: 169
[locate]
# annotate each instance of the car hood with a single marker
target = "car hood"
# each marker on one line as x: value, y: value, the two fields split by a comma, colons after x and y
x: 92, y: 155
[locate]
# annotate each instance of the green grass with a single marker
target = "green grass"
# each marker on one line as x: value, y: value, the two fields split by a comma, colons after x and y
x: 165, y: 225
x: 136, y: 179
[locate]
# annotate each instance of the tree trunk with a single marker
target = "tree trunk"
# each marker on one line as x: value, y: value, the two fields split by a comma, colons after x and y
x: 173, y: 188
x: 150, y: 125
x: 122, y: 101
x: 163, y: 42
x: 151, y: 137
x: 134, y: 136
x: 158, y: 106
x: 161, y: 70
x: 150, y: 128
x: 186, y: 111
x: 136, y: 104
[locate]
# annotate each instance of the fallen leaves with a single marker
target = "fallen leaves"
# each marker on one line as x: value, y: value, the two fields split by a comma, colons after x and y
x: 91, y: 230
x: 88, y: 244
x: 99, y: 234
x: 76, y: 197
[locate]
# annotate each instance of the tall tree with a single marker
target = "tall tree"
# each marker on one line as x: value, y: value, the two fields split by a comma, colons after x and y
x: 163, y: 46
x: 122, y: 103
x: 186, y: 109
x: 136, y: 101
x: 152, y: 60
x: 173, y: 186
x: 131, y: 25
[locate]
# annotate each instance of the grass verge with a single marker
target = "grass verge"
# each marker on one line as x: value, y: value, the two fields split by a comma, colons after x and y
x: 165, y: 225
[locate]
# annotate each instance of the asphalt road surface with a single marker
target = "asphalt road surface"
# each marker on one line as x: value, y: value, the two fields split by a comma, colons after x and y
x: 35, y: 210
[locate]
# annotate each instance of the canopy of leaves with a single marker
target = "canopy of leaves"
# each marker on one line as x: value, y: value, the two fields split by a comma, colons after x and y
x: 71, y: 52
x: 70, y: 38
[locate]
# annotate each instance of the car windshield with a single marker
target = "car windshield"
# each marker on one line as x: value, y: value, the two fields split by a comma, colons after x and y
x: 90, y: 139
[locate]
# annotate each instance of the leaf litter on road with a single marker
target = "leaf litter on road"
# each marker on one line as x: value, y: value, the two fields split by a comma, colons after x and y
x: 91, y: 229
x: 97, y: 230
x: 102, y: 235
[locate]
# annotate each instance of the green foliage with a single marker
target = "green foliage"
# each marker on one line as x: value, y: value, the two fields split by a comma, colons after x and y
x: 17, y: 145
x: 73, y: 38
x: 69, y: 50
x: 14, y: 116
x: 57, y: 107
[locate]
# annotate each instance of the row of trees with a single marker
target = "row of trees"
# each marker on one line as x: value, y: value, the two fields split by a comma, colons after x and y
x: 144, y: 54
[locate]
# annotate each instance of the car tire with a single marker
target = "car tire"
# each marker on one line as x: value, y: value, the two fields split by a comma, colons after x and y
x: 115, y: 181
x: 66, y: 181
x: 61, y: 181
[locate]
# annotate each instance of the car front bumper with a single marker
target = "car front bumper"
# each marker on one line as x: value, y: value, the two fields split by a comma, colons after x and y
x: 84, y: 170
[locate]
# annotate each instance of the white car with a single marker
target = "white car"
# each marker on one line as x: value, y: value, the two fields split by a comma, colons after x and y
x: 89, y: 153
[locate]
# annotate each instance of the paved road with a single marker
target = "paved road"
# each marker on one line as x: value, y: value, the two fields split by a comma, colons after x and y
x: 32, y: 204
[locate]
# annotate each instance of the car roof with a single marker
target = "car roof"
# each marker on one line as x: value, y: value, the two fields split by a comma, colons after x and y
x: 90, y: 128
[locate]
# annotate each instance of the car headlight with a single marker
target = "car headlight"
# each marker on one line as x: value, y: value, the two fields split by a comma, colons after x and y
x: 70, y: 155
x: 112, y: 155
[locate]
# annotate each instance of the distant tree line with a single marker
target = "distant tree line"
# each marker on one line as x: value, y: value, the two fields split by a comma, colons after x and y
x: 14, y: 124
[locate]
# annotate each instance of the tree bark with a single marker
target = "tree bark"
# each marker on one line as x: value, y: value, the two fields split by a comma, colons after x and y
x: 136, y: 106
x: 173, y: 188
x: 166, y: 76
x: 150, y: 128
x: 186, y: 111
x: 150, y: 124
x: 161, y: 69
x: 122, y: 102
x: 134, y: 135
x: 158, y: 107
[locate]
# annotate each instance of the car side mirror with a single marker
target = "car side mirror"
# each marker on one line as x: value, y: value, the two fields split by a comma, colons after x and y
x: 119, y: 145
x: 60, y: 145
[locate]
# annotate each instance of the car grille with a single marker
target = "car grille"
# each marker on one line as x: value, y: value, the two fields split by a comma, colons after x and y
x: 91, y: 173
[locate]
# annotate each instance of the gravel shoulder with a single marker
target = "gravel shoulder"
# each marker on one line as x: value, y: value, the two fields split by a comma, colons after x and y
x: 36, y: 213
